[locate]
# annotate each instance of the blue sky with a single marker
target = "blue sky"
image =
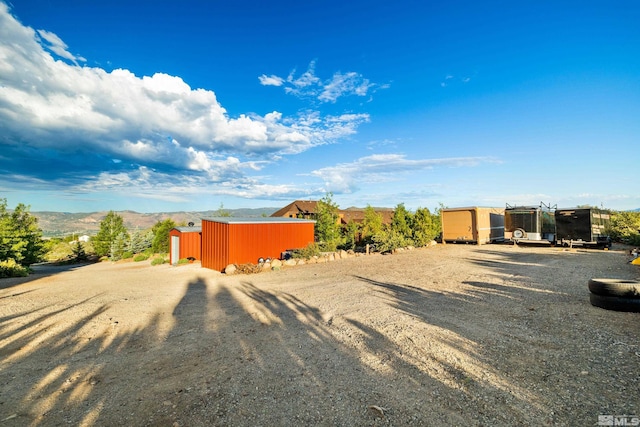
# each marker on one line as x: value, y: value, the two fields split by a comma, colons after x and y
x: 165, y: 106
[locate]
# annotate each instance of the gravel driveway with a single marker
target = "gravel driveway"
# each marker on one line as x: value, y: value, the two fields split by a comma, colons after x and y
x: 458, y: 335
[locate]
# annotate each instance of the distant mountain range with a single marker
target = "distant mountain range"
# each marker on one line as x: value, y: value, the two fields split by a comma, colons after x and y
x: 59, y: 224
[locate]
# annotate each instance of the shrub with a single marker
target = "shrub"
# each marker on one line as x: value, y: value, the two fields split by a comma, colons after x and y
x: 183, y: 261
x: 10, y: 268
x: 389, y: 240
x: 158, y: 261
x: 311, y: 250
x: 141, y: 257
x: 127, y: 255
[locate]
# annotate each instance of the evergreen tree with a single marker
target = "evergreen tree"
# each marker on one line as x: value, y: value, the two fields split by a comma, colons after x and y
x: 119, y: 246
x: 79, y: 253
x: 402, y: 220
x: 161, y: 235
x: 111, y: 229
x: 20, y: 236
x: 222, y: 212
x: 351, y: 234
x: 372, y: 224
x: 141, y: 240
x: 425, y: 227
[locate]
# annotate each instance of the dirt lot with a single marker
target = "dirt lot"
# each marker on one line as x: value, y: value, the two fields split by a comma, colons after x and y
x: 449, y: 335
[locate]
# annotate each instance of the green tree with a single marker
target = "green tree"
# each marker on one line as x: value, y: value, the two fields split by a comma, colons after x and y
x: 112, y: 230
x: 141, y: 240
x: 119, y: 246
x: 402, y: 222
x: 222, y: 212
x: 327, y: 228
x: 625, y: 227
x: 372, y: 224
x: 161, y: 235
x: 20, y: 236
x: 79, y: 253
x: 425, y: 227
x: 351, y: 234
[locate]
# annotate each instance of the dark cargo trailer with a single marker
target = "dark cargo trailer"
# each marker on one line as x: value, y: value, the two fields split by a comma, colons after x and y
x: 582, y: 227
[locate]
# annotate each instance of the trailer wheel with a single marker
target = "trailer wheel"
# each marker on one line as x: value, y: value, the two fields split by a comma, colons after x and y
x: 615, y: 288
x: 518, y: 233
x: 615, y: 303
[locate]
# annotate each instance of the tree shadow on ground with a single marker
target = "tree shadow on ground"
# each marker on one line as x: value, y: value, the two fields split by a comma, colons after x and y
x: 232, y: 353
x: 515, y: 330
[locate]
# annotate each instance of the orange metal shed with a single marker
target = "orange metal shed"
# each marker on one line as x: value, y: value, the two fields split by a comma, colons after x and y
x: 245, y: 240
x: 185, y: 242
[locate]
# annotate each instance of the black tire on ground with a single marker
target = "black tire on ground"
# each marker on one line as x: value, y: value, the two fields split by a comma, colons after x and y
x: 615, y: 303
x: 615, y: 287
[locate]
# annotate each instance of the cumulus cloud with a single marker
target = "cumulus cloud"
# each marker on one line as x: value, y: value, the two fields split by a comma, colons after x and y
x: 80, y: 124
x: 345, y: 177
x: 309, y: 85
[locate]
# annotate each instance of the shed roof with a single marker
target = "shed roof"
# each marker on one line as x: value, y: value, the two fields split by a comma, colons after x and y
x: 185, y: 229
x: 261, y: 220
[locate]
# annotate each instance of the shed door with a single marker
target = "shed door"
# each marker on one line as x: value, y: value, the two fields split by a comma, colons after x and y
x: 175, y: 249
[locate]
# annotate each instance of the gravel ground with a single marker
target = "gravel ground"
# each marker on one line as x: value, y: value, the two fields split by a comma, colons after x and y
x: 458, y: 335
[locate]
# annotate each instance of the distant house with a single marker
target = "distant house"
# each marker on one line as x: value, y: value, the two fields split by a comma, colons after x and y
x: 307, y: 209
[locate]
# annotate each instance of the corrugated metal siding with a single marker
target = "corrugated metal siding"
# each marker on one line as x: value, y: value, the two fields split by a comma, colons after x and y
x: 190, y: 245
x: 224, y: 244
x: 215, y: 241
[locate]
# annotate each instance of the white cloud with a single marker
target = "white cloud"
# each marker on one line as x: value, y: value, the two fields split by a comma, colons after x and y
x: 85, y: 122
x: 308, y: 78
x: 346, y: 177
x: 308, y: 85
x: 182, y: 188
x: 341, y: 84
x: 271, y: 80
x: 57, y: 46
